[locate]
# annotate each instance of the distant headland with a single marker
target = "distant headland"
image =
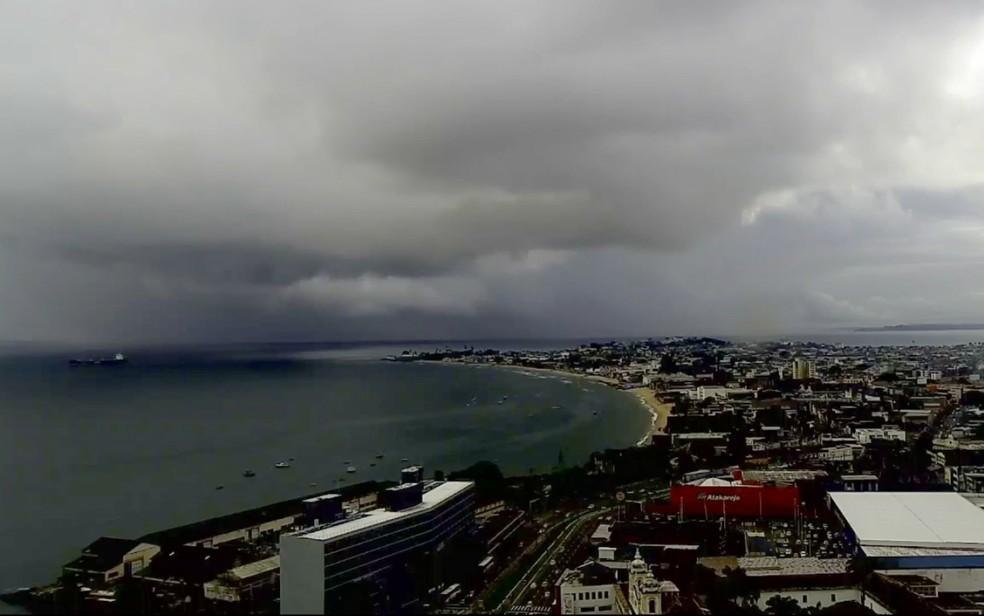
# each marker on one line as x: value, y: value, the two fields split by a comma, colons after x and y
x: 922, y: 327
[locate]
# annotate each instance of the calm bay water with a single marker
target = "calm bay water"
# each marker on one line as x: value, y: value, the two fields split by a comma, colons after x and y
x: 123, y: 451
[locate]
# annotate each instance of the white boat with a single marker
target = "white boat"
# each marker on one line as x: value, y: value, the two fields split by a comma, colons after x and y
x: 350, y: 469
x: 282, y: 465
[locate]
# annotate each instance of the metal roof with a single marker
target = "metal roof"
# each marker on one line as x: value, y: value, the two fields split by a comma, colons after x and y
x: 431, y: 498
x: 259, y: 567
x: 912, y: 519
x: 878, y: 551
x: 764, y: 566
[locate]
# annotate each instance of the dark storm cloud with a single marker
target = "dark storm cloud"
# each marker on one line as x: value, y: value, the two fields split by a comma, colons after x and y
x: 231, y: 170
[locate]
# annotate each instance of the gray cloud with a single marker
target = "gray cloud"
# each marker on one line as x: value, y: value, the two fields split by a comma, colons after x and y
x: 238, y: 170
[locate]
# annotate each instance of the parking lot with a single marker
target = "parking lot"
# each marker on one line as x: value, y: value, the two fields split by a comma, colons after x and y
x: 789, y: 539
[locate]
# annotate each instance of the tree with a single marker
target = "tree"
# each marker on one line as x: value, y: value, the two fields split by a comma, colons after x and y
x: 782, y: 605
x: 738, y: 586
x: 489, y: 482
x: 667, y: 364
x: 731, y: 593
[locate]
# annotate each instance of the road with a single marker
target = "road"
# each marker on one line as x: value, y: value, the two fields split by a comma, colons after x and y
x: 540, y: 576
x: 525, y: 590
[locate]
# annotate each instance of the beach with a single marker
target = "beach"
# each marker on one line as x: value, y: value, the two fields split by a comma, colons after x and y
x: 659, y: 410
x: 564, y: 373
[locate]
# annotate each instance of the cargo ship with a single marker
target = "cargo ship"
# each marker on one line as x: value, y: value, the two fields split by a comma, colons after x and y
x: 116, y: 360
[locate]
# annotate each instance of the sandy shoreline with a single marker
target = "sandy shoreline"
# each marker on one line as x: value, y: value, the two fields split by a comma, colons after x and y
x: 577, y: 375
x: 658, y: 411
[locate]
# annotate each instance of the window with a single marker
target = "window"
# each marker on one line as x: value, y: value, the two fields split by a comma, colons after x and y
x: 833, y: 598
x: 652, y: 606
x: 804, y: 599
x: 606, y: 594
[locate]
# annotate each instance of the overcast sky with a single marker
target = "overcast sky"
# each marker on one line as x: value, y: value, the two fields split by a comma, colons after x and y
x: 238, y: 170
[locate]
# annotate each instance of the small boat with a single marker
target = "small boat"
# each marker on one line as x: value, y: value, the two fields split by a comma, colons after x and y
x: 372, y: 464
x: 379, y: 456
x: 404, y: 459
x: 248, y: 473
x: 117, y: 360
x: 219, y: 487
x: 350, y: 469
x: 282, y: 465
x: 594, y: 412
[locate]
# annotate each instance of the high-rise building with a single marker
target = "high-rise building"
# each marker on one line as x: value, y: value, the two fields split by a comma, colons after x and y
x: 378, y: 558
x: 803, y: 369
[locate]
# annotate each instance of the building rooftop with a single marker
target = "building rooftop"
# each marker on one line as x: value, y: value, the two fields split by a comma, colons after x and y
x: 882, y: 551
x: 913, y: 580
x: 790, y: 475
x: 602, y: 533
x: 259, y: 567
x: 590, y: 573
x: 211, y: 527
x: 190, y: 564
x: 973, y: 497
x: 434, y: 495
x: 103, y: 554
x: 763, y: 566
x: 939, y: 520
x: 701, y: 436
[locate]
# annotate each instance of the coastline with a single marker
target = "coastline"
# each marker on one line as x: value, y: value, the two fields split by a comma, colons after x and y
x: 564, y: 373
x: 658, y: 410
